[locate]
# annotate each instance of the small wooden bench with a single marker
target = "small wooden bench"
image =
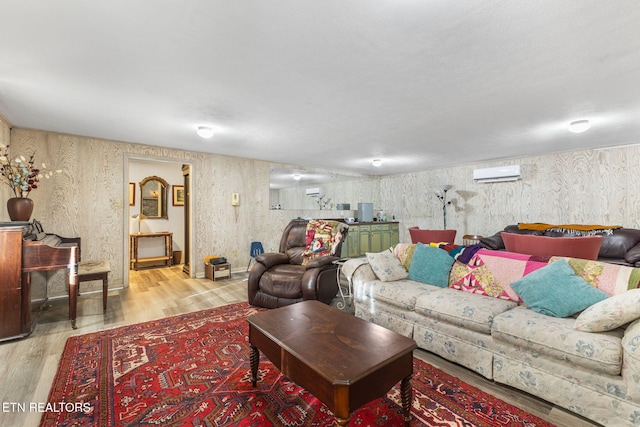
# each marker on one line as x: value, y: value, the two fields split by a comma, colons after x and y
x: 95, y: 270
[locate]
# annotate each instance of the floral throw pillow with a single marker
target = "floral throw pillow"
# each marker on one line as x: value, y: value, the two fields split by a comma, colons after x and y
x: 404, y: 253
x: 323, y: 237
x: 386, y: 266
x: 611, y: 313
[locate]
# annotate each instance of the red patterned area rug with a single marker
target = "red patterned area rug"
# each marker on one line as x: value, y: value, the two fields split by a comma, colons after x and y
x: 194, y: 370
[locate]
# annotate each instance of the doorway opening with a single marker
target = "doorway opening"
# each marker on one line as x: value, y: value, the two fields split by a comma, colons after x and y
x: 157, y: 240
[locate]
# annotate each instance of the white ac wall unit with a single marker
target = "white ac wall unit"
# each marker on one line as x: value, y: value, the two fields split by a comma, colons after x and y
x: 499, y: 174
x: 315, y: 192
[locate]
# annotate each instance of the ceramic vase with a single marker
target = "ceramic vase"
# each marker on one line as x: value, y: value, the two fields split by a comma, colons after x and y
x: 19, y: 208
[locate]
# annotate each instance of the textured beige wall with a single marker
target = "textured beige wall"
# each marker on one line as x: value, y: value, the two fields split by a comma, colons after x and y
x: 88, y: 199
x: 586, y: 187
x: 589, y: 186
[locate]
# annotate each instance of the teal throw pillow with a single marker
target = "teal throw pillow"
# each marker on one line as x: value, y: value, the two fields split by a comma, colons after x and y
x: 556, y: 290
x: 430, y: 265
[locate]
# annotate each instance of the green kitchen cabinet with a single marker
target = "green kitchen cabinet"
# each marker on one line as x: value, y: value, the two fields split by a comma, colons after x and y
x: 370, y: 237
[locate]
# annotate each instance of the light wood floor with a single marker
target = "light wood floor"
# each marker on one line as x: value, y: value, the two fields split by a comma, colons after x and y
x: 28, y: 366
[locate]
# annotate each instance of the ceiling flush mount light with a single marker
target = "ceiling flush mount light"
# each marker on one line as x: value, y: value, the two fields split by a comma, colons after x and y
x: 579, y: 126
x: 377, y: 162
x: 205, y: 131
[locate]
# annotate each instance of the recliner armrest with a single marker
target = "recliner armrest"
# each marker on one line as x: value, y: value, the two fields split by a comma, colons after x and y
x: 270, y: 259
x: 321, y: 262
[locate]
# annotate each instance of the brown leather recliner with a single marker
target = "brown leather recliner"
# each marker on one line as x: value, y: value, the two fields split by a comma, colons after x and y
x: 279, y: 279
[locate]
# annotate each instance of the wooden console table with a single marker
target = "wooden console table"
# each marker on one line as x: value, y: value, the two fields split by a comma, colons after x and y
x: 134, y: 260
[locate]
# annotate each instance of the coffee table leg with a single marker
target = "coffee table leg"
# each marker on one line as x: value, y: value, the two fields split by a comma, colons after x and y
x: 342, y: 421
x: 255, y: 358
x: 407, y: 399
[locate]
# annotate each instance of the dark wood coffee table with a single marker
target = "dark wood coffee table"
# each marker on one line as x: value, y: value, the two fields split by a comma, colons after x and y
x: 342, y: 360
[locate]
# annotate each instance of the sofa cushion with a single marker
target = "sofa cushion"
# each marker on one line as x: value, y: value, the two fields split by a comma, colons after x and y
x: 474, y: 312
x: 556, y: 290
x: 463, y: 346
x: 283, y: 281
x: 610, y: 313
x: 386, y: 266
x: 555, y: 337
x: 401, y: 293
x: 394, y: 318
x: 430, y: 265
x: 585, y: 247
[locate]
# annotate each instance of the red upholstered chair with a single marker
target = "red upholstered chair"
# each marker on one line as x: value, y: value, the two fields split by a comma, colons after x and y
x: 428, y: 236
x: 583, y: 247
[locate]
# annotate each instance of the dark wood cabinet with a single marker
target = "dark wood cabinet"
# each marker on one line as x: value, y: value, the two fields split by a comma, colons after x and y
x: 22, y: 254
x: 15, y: 311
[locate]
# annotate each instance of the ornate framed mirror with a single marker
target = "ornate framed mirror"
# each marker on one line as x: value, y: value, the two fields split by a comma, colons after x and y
x: 154, y: 192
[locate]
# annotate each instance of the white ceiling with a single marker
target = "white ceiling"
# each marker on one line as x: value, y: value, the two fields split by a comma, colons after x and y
x: 418, y: 83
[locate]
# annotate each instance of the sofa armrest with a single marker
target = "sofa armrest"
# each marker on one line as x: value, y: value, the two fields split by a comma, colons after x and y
x: 270, y: 259
x: 351, y: 265
x: 359, y: 273
x: 631, y: 360
x: 494, y: 242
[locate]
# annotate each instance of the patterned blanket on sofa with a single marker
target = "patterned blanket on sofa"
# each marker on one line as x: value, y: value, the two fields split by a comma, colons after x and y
x: 404, y: 252
x: 491, y: 273
x: 612, y: 279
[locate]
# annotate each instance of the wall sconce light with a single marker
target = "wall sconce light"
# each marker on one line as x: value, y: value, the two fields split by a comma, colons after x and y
x: 297, y: 177
x: 441, y: 194
x: 377, y: 162
x: 205, y: 132
x: 579, y: 126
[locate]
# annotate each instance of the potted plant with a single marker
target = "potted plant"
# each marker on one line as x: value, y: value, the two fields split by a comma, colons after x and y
x: 22, y: 176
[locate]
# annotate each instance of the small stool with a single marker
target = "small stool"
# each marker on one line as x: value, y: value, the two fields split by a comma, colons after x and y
x: 95, y: 270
